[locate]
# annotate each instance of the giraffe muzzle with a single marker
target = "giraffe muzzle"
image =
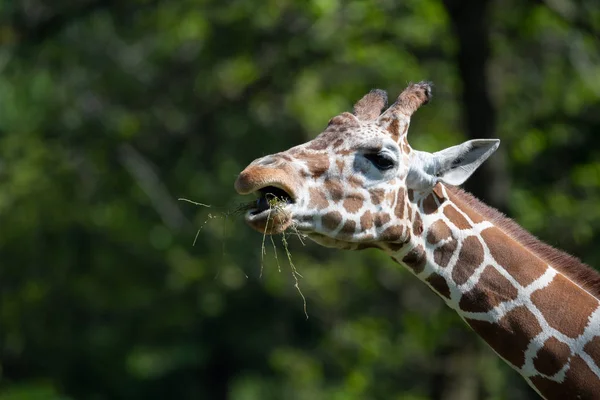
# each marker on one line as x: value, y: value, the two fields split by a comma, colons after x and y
x: 271, y: 212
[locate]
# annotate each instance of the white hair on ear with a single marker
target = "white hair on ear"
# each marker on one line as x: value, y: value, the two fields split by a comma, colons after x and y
x: 453, y: 165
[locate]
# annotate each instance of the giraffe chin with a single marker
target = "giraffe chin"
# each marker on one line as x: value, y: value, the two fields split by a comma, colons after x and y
x: 277, y: 220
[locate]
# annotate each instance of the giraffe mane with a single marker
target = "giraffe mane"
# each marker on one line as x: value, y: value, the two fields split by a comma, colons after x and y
x: 570, y: 266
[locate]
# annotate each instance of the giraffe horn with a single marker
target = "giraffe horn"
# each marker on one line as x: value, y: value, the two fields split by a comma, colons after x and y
x: 411, y: 98
x: 397, y: 118
x: 370, y: 106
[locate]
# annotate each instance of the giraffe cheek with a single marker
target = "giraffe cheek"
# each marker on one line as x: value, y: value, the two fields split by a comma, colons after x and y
x: 317, y: 199
x: 353, y: 204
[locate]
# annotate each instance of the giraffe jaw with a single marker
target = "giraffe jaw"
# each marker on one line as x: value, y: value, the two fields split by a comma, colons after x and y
x: 270, y: 221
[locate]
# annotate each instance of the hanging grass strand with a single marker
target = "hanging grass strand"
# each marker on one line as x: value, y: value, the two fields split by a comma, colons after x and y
x: 194, y: 202
x: 295, y: 273
x: 275, y: 204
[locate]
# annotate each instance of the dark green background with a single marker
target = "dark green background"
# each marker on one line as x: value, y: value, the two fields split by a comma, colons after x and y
x: 111, y: 110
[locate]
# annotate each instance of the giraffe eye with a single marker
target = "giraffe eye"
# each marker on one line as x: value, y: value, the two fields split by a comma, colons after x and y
x: 380, y: 160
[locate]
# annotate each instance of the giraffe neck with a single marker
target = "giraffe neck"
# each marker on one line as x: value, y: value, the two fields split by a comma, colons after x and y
x: 540, y: 318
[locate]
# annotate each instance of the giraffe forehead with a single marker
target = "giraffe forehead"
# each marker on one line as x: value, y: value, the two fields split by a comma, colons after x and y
x: 351, y: 136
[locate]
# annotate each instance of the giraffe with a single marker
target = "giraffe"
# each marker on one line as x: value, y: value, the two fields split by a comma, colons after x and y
x: 359, y: 184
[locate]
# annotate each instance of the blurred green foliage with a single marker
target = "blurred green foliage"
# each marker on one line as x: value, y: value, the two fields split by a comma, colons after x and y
x: 110, y: 111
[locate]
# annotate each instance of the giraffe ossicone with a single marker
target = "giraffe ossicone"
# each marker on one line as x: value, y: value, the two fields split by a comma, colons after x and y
x: 359, y: 184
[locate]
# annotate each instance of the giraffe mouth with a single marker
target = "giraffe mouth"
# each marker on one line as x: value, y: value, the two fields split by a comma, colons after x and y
x: 270, y: 197
x: 270, y: 212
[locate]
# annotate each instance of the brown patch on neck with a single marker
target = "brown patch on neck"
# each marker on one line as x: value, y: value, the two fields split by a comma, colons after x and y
x: 593, y: 349
x: 433, y: 201
x: 439, y: 284
x: 565, y: 306
x: 580, y: 383
x: 437, y: 232
x: 566, y: 264
x: 457, y: 219
x: 510, y: 336
x: 470, y: 257
x: 552, y: 357
x: 491, y: 289
x: 415, y: 259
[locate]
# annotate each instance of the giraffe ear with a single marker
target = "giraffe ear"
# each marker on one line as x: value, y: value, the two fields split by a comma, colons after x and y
x: 453, y: 165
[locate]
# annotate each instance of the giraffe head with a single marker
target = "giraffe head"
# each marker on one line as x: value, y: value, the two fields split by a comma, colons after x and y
x: 347, y: 188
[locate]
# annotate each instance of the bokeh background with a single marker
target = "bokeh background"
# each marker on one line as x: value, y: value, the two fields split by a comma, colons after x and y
x: 112, y: 110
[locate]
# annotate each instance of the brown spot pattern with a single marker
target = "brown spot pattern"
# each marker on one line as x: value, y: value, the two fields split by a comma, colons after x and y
x: 593, y: 349
x: 366, y: 221
x: 552, y: 357
x: 556, y: 302
x: 514, y: 258
x: 340, y: 165
x: 437, y: 189
x: 317, y: 144
x: 415, y: 259
x: 331, y: 220
x: 317, y: 199
x: 411, y: 194
x: 491, y: 290
x: 580, y: 383
x: 381, y: 219
x: 399, y: 209
x: 344, y: 118
x: 338, y: 143
x: 349, y: 228
x: 456, y: 218
x: 392, y: 234
x: 377, y: 196
x: 472, y: 214
x: 439, y: 283
x: 390, y: 197
x: 355, y: 181
x: 470, y: 257
x: 438, y: 231
x: 317, y: 164
x: 429, y: 204
x: 394, y: 129
x: 335, y: 189
x: 353, y: 203
x: 443, y: 254
x: 417, y: 225
x: 511, y: 335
